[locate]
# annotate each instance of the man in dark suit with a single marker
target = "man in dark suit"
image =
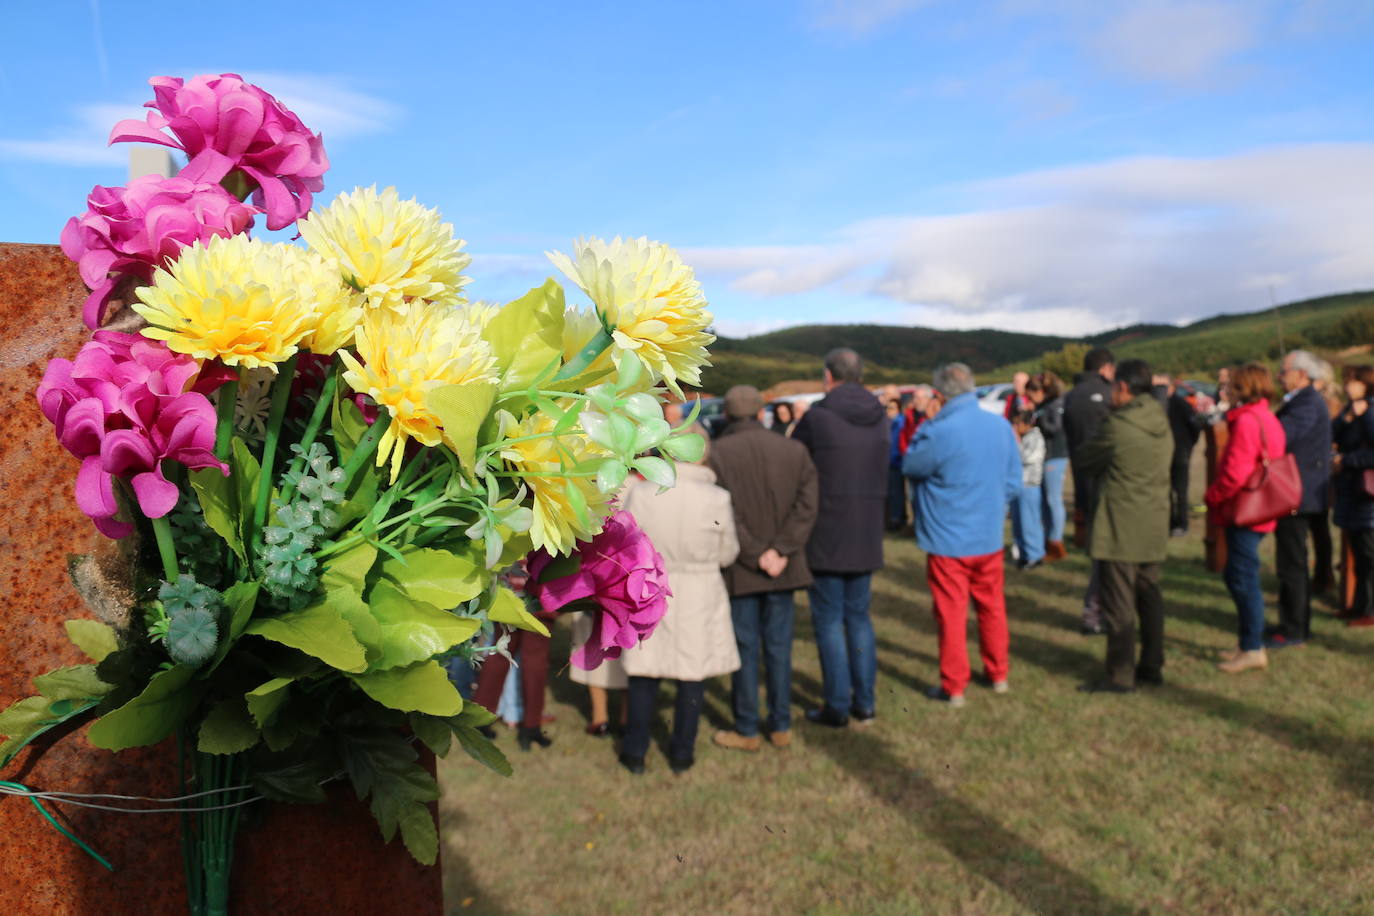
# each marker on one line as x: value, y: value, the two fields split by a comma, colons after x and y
x: 1306, y: 423
x: 1085, y: 407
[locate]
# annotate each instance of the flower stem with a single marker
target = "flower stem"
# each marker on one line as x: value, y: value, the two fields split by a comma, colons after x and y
x: 599, y: 344
x: 281, y: 392
x: 367, y: 445
x: 162, y: 530
x: 224, y: 416
x: 312, y: 428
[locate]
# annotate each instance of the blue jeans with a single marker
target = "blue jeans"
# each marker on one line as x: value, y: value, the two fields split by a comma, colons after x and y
x: 1052, y: 497
x: 1025, y: 525
x: 763, y: 622
x: 844, y: 639
x: 1242, y: 577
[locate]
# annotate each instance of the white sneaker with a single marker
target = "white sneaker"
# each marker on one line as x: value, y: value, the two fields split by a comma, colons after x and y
x: 1001, y: 687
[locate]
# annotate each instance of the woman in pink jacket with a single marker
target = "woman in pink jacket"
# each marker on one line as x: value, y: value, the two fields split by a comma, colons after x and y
x: 1254, y: 430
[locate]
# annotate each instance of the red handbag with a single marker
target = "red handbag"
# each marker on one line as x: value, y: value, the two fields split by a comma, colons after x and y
x: 1273, y: 490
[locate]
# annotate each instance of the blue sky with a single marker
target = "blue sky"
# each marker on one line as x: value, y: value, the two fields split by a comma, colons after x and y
x: 1059, y: 166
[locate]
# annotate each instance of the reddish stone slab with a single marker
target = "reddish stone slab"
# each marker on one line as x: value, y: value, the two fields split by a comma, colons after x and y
x: 297, y: 859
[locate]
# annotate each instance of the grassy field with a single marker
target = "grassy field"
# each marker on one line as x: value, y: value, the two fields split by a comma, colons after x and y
x: 1212, y: 794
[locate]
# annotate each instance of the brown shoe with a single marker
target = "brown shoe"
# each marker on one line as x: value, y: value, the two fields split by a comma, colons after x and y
x: 1255, y: 660
x: 780, y: 740
x: 1055, y: 551
x: 734, y: 741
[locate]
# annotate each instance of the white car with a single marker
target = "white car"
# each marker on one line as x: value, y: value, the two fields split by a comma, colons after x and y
x: 993, y: 398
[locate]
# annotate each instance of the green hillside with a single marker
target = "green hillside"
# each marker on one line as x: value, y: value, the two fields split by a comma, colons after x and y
x: 1328, y: 324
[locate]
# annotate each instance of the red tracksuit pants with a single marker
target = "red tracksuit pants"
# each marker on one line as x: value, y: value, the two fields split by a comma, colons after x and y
x: 953, y: 580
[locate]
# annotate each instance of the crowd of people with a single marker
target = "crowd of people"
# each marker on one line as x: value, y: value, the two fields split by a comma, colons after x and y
x: 803, y: 503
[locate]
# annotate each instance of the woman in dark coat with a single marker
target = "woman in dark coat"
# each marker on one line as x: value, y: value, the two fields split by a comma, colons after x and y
x: 1352, y: 433
x: 1047, y: 394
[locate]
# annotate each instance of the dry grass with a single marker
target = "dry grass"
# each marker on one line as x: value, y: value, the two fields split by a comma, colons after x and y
x: 1209, y: 795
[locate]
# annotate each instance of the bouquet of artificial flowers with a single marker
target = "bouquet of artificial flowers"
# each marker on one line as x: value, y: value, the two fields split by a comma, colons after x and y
x: 321, y: 456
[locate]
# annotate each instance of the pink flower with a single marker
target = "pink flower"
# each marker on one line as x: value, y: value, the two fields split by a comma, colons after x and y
x: 127, y: 232
x: 223, y: 124
x: 623, y: 574
x: 123, y: 406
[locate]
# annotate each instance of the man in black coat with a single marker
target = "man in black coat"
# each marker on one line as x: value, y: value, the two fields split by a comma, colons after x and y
x: 1085, y: 407
x: 847, y: 434
x: 1307, y: 425
x: 1186, y: 426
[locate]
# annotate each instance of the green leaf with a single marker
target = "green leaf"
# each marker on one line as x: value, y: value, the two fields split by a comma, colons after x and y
x: 527, y: 335
x: 435, y: 733
x: 94, y: 638
x: 436, y: 577
x: 462, y: 409
x: 152, y: 715
x: 349, y: 568
x: 481, y: 748
x: 656, y: 470
x: 561, y: 566
x: 78, y: 682
x: 318, y: 630
x: 296, y: 781
x: 240, y: 600
x: 264, y: 699
x: 381, y: 764
x: 245, y: 472
x: 508, y: 607
x: 419, y: 833
x: 354, y: 609
x: 411, y: 630
x: 21, y: 722
x: 422, y: 687
x: 192, y: 636
x: 219, y: 501
x: 687, y: 447
x: 228, y: 729
x: 348, y: 425
x: 363, y: 499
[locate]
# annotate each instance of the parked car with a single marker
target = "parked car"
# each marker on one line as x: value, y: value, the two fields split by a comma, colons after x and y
x: 711, y: 415
x: 993, y: 398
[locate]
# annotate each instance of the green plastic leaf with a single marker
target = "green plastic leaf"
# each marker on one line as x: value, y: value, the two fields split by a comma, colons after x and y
x: 508, y: 607
x: 561, y: 566
x: 265, y: 699
x: 481, y: 748
x: 366, y: 482
x: 240, y: 600
x: 527, y: 335
x: 297, y: 781
x: 318, y: 630
x: 244, y: 475
x: 381, y: 764
x: 435, y: 733
x: 578, y: 501
x: 656, y: 470
x: 349, y: 568
x: 192, y: 636
x: 687, y: 447
x: 219, y: 501
x: 78, y: 682
x: 347, y: 424
x: 436, y: 577
x: 643, y: 407
x: 228, y: 729
x: 411, y: 630
x: 611, y: 474
x: 649, y: 433
x: 21, y: 721
x: 152, y: 715
x: 422, y: 687
x: 94, y: 638
x: 461, y: 410
x: 419, y: 833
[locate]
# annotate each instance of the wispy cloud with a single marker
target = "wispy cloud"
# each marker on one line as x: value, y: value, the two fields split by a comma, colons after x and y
x: 859, y: 17
x: 1183, y: 42
x: 1078, y: 249
x: 98, y: 33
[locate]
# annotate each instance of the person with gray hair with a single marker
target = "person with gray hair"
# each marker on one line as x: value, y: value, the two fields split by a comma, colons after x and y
x: 967, y: 468
x: 1307, y: 426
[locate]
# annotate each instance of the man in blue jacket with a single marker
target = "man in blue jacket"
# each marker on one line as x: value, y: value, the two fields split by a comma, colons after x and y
x: 1307, y: 424
x: 966, y: 467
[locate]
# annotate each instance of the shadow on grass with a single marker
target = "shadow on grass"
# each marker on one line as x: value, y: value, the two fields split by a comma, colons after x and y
x: 981, y: 844
x: 463, y: 891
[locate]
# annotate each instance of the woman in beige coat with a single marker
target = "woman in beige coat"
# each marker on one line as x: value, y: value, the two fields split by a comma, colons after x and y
x: 693, y: 527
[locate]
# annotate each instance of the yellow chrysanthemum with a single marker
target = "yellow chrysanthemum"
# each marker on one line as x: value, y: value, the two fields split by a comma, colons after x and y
x: 406, y: 353
x: 480, y: 312
x: 393, y: 250
x: 237, y: 299
x: 650, y: 298
x: 555, y: 527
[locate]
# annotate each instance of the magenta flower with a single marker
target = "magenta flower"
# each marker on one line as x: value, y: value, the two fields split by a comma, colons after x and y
x: 223, y: 124
x: 123, y: 406
x: 127, y: 232
x: 623, y: 574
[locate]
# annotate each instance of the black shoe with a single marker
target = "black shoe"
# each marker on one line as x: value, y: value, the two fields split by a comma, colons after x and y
x: 1092, y: 629
x: 1279, y: 641
x: 487, y: 731
x: 1148, y: 678
x: 827, y: 716
x: 1023, y: 566
x: 1178, y: 533
x: 677, y: 766
x: 528, y: 735
x: 1104, y: 687
x: 863, y: 716
x: 634, y: 764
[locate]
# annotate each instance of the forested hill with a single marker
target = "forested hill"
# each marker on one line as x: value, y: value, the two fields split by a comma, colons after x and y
x: 1330, y: 324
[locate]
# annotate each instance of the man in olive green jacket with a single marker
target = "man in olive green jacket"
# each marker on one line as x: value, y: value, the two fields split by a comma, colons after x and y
x: 1130, y: 456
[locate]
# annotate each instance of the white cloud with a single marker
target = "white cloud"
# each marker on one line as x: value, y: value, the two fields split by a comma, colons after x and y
x: 1078, y: 249
x: 859, y: 17
x: 1177, y: 41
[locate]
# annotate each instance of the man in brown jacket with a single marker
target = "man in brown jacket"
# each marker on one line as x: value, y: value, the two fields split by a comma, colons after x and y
x: 772, y: 484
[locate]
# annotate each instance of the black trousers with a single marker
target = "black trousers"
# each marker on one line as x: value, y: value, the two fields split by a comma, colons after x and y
x: 1323, y: 556
x: 1178, y: 496
x: 1129, y: 591
x: 643, y: 695
x: 1362, y: 544
x: 1295, y: 584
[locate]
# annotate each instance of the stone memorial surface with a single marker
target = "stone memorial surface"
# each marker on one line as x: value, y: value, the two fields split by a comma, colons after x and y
x: 290, y: 858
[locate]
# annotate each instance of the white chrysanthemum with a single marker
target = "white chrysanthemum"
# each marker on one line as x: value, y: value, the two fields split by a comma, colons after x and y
x: 392, y: 250
x: 650, y: 298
